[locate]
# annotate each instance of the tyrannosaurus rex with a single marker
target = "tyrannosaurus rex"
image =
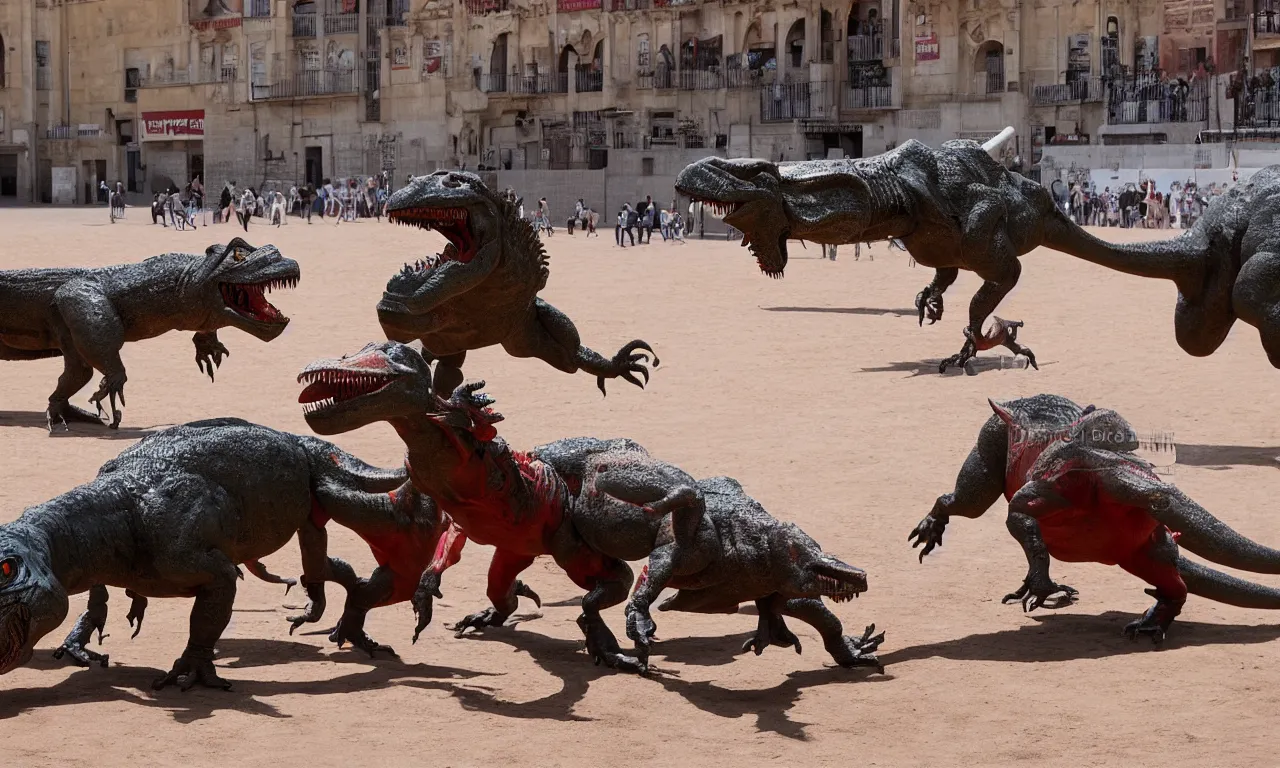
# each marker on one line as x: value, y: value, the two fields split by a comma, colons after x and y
x: 591, y: 505
x: 952, y: 208
x: 85, y: 316
x: 483, y: 288
x: 177, y: 513
x: 1077, y: 492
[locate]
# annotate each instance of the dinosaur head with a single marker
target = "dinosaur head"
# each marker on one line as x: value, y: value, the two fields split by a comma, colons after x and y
x: 379, y: 383
x: 234, y: 279
x: 809, y: 571
x: 32, y: 602
x: 748, y: 195
x: 459, y: 206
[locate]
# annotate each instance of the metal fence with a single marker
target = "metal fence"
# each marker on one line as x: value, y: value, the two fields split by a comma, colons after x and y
x: 320, y: 82
x: 1084, y: 90
x: 874, y: 97
x: 588, y: 81
x: 66, y: 132
x: 786, y: 102
x: 1147, y: 100
x: 341, y: 23
x: 304, y: 25
x: 866, y: 47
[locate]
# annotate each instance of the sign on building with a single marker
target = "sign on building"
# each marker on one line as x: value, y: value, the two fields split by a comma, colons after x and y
x: 928, y: 48
x: 170, y: 126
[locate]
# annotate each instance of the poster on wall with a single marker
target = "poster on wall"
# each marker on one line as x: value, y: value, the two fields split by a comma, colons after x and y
x: 432, y: 56
x: 400, y: 56
x: 928, y: 48
x: 1078, y: 54
x: 214, y: 14
x: 177, y: 124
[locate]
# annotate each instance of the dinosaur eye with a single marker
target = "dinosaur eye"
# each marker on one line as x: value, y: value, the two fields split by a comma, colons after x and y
x: 8, y: 569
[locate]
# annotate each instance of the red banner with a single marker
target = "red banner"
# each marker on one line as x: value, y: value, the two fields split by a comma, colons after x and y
x: 927, y: 48
x: 224, y: 23
x: 162, y: 126
x: 568, y: 6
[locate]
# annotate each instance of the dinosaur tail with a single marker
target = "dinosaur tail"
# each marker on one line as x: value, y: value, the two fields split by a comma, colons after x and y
x: 1214, y: 540
x: 1173, y: 259
x: 1223, y: 588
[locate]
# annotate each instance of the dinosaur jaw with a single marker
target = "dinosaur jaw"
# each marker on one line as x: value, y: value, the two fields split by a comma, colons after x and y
x: 249, y: 308
x: 15, y: 631
x: 454, y: 222
x: 349, y: 392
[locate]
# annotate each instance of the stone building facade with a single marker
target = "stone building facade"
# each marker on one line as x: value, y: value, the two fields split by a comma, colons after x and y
x: 617, y: 92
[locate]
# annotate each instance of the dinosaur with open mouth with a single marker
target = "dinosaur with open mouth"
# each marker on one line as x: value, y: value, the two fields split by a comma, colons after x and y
x: 482, y: 288
x: 85, y: 316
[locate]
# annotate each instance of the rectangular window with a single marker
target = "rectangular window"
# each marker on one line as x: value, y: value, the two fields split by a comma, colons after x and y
x: 44, y: 71
x: 132, y: 77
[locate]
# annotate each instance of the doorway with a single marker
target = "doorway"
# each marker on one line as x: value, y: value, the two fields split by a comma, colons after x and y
x: 197, y: 168
x: 8, y: 175
x: 315, y: 168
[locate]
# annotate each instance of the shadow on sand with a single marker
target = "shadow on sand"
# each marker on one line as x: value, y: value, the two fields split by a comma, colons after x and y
x: 975, y: 366
x: 38, y: 420
x: 1224, y: 456
x: 872, y: 311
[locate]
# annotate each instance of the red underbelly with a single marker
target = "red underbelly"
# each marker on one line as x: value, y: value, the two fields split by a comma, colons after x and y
x: 1106, y: 533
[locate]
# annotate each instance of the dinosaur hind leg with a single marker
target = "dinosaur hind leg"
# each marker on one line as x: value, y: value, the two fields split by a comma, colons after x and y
x: 607, y: 581
x: 981, y: 307
x: 1256, y: 299
x: 1157, y: 564
x: 75, y: 374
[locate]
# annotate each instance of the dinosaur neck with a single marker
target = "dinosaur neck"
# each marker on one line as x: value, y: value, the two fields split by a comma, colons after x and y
x: 434, y: 452
x: 1173, y: 259
x: 76, y: 535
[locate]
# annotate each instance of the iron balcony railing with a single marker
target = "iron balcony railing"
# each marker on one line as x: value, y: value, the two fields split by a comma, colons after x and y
x: 312, y: 83
x: 588, y: 81
x: 304, y: 25
x: 191, y: 75
x: 1148, y: 100
x: 341, y: 23
x: 790, y: 101
x: 700, y: 80
x: 866, y: 47
x: 257, y: 9
x: 500, y: 82
x: 868, y: 97
x: 631, y: 5
x: 1084, y: 90
x: 481, y: 7
x: 66, y: 132
x: 1266, y: 20
x: 995, y: 82
x: 661, y: 78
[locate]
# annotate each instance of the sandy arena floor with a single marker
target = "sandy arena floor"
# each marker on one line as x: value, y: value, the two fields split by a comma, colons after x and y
x: 818, y: 393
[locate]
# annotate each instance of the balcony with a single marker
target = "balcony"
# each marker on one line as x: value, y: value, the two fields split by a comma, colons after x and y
x: 868, y: 97
x: 310, y: 84
x: 1146, y: 100
x: 498, y: 83
x: 191, y: 75
x: 483, y: 7
x: 68, y: 132
x: 631, y: 5
x: 866, y: 47
x: 304, y: 25
x: 588, y: 81
x: 341, y: 23
x: 1081, y: 91
x: 1266, y: 22
x: 257, y: 9
x: 661, y: 79
x: 796, y: 101
x: 700, y: 80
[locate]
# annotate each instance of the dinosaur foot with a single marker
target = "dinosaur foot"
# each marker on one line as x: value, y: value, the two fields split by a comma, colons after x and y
x: 63, y: 412
x: 603, y: 647
x: 929, y: 305
x: 190, y: 670
x: 1156, y: 621
x: 853, y: 652
x: 350, y: 629
x: 489, y: 617
x: 640, y: 628
x: 79, y: 655
x: 771, y: 630
x: 314, y: 609
x: 1041, y: 593
x: 966, y: 353
x: 634, y: 358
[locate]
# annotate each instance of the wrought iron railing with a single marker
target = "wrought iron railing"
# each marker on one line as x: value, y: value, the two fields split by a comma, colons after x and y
x: 866, y: 47
x: 588, y: 81
x: 66, y: 132
x: 304, y: 25
x: 1148, y: 100
x: 868, y: 97
x: 312, y: 83
x: 341, y: 23
x: 1084, y: 90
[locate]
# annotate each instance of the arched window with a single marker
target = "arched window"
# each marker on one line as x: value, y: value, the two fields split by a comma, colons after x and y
x: 795, y: 44
x: 989, y: 61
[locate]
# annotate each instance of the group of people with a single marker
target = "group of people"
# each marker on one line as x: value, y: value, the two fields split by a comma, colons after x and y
x: 1141, y: 205
x: 347, y: 200
x: 641, y: 221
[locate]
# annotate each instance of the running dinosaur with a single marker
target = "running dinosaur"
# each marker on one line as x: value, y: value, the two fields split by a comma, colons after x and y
x: 176, y: 514
x: 591, y: 505
x: 482, y: 289
x: 85, y: 316
x: 958, y: 208
x: 1077, y: 493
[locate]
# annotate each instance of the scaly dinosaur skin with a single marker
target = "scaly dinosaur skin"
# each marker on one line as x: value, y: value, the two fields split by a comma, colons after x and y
x: 1077, y: 493
x: 483, y: 289
x: 709, y: 540
x: 591, y: 505
x: 86, y: 315
x: 179, y: 511
x: 952, y: 208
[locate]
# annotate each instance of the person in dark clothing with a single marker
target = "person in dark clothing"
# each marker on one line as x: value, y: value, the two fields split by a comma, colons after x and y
x: 633, y: 221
